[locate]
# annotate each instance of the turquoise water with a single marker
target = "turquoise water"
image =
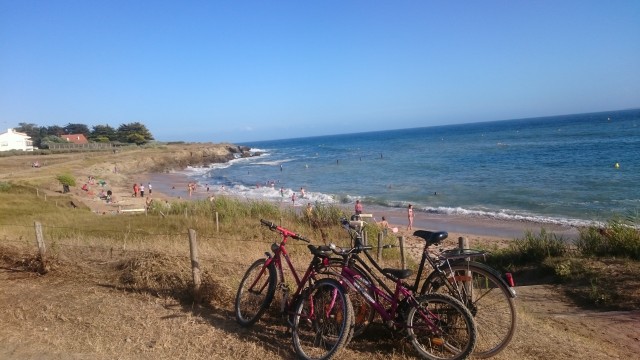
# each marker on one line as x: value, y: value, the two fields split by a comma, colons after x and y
x: 553, y: 170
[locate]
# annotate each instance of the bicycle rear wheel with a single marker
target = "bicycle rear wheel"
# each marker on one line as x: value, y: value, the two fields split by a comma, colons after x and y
x: 441, y: 327
x: 488, y: 299
x: 255, y: 292
x: 322, y: 321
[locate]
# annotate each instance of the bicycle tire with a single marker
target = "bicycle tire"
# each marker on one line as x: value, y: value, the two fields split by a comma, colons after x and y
x: 319, y: 335
x: 489, y: 301
x: 363, y: 312
x: 455, y: 334
x: 255, y: 292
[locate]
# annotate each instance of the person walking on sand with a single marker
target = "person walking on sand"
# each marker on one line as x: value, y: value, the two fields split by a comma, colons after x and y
x: 358, y: 208
x: 410, y: 216
x: 293, y: 199
x: 135, y: 190
x: 141, y: 190
x: 149, y: 188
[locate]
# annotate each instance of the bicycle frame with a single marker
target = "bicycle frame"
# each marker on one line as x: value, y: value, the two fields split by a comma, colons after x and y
x: 394, y: 297
x: 279, y: 252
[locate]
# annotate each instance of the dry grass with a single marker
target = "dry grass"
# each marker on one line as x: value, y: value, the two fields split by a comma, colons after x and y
x: 120, y: 287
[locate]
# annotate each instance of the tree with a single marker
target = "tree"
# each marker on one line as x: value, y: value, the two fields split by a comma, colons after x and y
x: 51, y: 139
x: 103, y: 133
x: 134, y: 133
x: 77, y: 129
x: 32, y: 130
x: 55, y: 130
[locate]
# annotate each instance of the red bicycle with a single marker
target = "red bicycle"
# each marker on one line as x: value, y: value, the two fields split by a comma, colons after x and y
x: 318, y: 311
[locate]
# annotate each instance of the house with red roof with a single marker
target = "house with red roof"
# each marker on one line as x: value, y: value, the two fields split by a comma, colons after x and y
x: 75, y: 138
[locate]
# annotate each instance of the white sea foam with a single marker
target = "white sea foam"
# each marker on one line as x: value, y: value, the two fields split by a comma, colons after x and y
x: 509, y: 215
x: 273, y: 163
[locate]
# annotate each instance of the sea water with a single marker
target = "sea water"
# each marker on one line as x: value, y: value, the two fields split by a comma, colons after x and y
x: 568, y: 170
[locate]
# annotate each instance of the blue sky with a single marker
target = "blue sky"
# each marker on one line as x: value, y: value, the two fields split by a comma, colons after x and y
x: 241, y: 71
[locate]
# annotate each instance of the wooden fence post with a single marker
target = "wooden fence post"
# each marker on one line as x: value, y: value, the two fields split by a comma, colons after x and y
x: 217, y: 223
x: 403, y: 256
x: 195, y: 265
x: 379, y: 246
x: 463, y: 243
x: 44, y: 268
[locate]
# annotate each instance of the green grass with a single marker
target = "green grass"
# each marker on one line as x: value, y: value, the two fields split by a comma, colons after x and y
x: 239, y: 237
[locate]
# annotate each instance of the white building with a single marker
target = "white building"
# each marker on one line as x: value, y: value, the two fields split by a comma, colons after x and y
x: 13, y: 140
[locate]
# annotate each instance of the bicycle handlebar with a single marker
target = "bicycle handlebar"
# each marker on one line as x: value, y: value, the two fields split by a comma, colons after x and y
x: 283, y: 231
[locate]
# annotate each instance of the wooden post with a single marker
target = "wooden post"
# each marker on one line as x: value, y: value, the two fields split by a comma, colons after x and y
x: 463, y: 244
x: 44, y: 268
x: 365, y: 238
x: 217, y: 223
x: 403, y: 257
x: 379, y: 246
x: 195, y: 265
x: 45, y: 197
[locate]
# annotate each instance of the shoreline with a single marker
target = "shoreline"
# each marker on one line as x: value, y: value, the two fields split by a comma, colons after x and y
x: 173, y: 186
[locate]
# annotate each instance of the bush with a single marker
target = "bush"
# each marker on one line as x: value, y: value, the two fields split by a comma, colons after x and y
x: 66, y: 180
x: 533, y: 249
x: 619, y: 238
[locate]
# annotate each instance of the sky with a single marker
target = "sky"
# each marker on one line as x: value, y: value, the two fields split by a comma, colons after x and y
x: 241, y: 71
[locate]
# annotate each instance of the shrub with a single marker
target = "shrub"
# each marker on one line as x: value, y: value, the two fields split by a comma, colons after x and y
x: 619, y: 238
x: 66, y: 180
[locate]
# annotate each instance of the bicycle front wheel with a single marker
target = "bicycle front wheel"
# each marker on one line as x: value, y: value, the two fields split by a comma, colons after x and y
x: 441, y: 327
x: 255, y: 292
x: 323, y: 321
x: 488, y: 299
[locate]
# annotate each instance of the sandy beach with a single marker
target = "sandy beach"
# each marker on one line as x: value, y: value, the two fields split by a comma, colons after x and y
x: 172, y: 186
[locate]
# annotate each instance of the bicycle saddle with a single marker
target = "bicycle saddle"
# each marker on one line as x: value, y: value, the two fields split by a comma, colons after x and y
x: 431, y: 237
x: 398, y: 273
x: 320, y: 251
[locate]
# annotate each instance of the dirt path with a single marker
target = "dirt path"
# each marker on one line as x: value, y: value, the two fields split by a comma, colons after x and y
x: 80, y: 313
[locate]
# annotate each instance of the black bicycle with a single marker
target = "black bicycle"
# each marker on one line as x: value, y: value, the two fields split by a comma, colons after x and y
x: 487, y: 294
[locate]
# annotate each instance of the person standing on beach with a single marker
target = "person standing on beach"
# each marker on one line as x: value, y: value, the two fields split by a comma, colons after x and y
x: 358, y: 208
x: 385, y: 226
x: 149, y: 188
x: 301, y: 193
x: 141, y: 190
x: 410, y: 216
x: 135, y: 190
x: 293, y: 199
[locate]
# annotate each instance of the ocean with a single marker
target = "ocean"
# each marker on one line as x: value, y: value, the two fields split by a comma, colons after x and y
x: 572, y: 170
